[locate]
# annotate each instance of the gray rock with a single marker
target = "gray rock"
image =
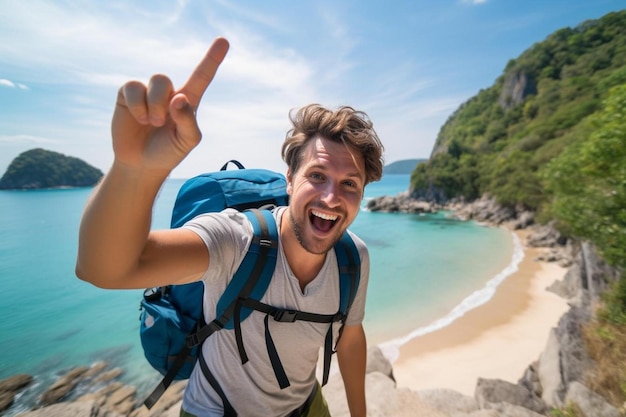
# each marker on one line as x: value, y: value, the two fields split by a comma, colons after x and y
x: 524, y: 219
x: 400, y: 203
x: 517, y: 86
x: 549, y: 372
x: 15, y: 382
x: 530, y: 380
x: 122, y: 400
x: 573, y: 356
x: 490, y: 392
x: 448, y: 401
x: 95, y: 369
x: 10, y: 387
x: 545, y: 236
x: 109, y: 375
x: 409, y: 404
x: 570, y: 286
x: 376, y: 362
x: 63, y: 386
x: 597, y: 275
x: 168, y: 404
x: 511, y: 410
x: 71, y: 409
x: 590, y: 403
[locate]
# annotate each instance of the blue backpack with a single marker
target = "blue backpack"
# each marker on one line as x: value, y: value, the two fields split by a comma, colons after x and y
x: 172, y: 321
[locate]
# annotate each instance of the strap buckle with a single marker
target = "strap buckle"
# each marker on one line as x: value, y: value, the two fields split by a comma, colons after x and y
x: 285, y: 316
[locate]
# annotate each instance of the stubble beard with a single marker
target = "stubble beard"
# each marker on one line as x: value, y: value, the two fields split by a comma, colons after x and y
x: 299, y: 233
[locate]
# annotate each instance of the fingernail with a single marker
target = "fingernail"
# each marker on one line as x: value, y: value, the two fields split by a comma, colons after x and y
x: 156, y: 120
x: 180, y: 104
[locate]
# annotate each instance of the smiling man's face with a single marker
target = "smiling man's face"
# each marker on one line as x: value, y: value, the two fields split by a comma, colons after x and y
x: 325, y: 193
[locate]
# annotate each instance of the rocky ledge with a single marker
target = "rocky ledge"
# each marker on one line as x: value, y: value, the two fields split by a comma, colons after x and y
x: 400, y: 203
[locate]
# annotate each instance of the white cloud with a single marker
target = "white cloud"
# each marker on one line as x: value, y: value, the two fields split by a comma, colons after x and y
x: 474, y: 1
x: 245, y: 112
x: 11, y: 84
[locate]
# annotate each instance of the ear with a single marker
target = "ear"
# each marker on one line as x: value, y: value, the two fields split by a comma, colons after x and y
x: 289, y: 183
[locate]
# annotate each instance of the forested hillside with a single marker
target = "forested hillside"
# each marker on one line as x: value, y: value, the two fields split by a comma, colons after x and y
x: 539, y: 138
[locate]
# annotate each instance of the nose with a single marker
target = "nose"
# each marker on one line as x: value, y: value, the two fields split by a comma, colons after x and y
x: 330, y: 195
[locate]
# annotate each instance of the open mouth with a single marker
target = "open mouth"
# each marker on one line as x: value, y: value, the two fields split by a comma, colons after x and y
x: 322, y: 221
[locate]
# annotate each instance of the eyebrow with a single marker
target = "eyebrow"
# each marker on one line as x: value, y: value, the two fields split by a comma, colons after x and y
x: 352, y: 174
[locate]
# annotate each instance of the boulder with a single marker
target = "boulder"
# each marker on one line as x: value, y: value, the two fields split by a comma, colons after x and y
x: 545, y: 236
x: 122, y: 400
x: 448, y: 401
x: 490, y: 392
x: 597, y: 274
x: 71, y: 409
x: 570, y: 286
x: 549, y: 372
x: 15, y: 382
x: 486, y: 210
x: 530, y: 380
x: 400, y: 203
x: 511, y: 410
x: 63, y: 386
x: 524, y: 219
x: 376, y: 362
x: 10, y: 387
x: 169, y: 403
x: 574, y: 360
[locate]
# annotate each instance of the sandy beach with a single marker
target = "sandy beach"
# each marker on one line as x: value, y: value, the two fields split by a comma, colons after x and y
x: 496, y: 340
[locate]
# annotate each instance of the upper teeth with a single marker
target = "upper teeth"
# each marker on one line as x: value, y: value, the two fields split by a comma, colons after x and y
x: 325, y: 216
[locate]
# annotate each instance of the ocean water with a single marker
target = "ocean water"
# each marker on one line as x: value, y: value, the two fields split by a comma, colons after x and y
x: 426, y: 270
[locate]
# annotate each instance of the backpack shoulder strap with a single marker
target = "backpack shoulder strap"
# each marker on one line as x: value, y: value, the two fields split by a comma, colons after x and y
x: 349, y: 263
x: 255, y: 271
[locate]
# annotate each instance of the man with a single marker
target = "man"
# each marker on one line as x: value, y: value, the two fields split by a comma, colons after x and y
x: 331, y: 156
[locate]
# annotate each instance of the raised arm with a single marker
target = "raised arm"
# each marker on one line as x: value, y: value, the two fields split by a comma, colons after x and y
x: 153, y: 129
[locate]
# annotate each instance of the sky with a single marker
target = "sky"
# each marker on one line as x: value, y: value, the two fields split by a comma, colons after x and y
x: 407, y: 64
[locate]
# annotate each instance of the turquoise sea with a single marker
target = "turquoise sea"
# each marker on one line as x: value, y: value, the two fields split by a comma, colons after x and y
x: 426, y: 271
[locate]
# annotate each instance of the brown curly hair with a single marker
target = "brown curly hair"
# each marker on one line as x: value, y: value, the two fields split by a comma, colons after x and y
x: 345, y: 125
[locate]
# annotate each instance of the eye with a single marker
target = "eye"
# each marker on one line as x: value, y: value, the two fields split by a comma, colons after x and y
x: 316, y: 177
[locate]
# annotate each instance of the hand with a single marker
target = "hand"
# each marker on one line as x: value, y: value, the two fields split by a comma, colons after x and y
x: 155, y: 127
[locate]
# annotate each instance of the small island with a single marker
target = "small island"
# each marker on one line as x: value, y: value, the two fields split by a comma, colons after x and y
x: 39, y: 168
x: 404, y: 166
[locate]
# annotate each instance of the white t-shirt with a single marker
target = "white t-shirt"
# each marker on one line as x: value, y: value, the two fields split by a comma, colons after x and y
x: 252, y: 388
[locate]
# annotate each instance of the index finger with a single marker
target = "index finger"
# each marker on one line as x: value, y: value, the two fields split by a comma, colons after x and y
x: 202, y: 76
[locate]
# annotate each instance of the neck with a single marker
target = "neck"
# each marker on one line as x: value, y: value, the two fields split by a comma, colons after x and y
x: 304, y: 264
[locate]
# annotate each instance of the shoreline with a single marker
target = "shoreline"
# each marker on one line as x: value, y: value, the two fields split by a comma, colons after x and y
x: 497, y: 340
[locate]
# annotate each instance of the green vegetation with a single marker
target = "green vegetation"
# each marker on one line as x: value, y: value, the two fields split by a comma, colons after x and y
x: 550, y: 136
x: 606, y: 344
x: 39, y: 168
x: 499, y: 141
x: 587, y: 181
x: 568, y: 411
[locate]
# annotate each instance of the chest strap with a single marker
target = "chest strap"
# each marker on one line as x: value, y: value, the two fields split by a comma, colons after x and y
x: 284, y: 316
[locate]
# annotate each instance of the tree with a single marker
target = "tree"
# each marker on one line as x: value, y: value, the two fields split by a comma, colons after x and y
x: 589, y: 181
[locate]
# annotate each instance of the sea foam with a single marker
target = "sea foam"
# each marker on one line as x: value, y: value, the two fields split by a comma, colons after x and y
x: 391, y: 349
